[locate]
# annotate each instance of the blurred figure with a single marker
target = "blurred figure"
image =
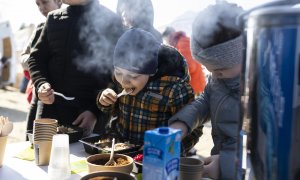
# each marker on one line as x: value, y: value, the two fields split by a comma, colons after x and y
x: 138, y: 14
x: 218, y: 44
x: 45, y: 6
x: 73, y: 56
x: 181, y: 42
x: 3, y: 62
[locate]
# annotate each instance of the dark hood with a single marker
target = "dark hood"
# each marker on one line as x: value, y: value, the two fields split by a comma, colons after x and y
x: 171, y: 63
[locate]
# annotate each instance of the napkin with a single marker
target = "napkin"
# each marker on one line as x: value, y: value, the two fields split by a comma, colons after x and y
x: 26, y: 154
x: 78, y: 166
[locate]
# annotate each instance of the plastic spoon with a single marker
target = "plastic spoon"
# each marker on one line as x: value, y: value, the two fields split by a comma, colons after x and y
x: 65, y: 97
x: 124, y: 92
x: 111, y: 161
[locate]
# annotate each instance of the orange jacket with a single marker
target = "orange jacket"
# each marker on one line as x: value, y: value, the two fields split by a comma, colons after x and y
x: 182, y: 43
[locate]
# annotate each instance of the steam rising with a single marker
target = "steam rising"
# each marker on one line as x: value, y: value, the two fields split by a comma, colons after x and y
x: 213, y: 20
x: 100, y: 28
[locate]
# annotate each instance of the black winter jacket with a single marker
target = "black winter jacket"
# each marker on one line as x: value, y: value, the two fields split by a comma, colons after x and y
x: 74, y: 52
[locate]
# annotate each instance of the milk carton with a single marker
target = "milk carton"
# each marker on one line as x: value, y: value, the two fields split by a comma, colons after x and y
x: 161, y: 154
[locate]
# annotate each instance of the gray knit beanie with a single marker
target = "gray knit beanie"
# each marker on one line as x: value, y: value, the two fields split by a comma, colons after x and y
x: 217, y: 40
x: 137, y: 51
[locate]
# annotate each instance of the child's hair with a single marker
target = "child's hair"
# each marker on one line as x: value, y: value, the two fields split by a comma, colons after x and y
x: 137, y: 51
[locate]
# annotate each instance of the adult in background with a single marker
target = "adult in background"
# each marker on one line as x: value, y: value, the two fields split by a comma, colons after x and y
x: 138, y: 14
x: 44, y: 7
x: 181, y: 42
x: 73, y: 56
x: 217, y: 44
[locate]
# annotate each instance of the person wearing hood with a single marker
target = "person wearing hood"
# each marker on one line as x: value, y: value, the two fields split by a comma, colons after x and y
x: 75, y: 43
x: 217, y: 44
x: 156, y: 78
x: 138, y: 14
x: 181, y: 42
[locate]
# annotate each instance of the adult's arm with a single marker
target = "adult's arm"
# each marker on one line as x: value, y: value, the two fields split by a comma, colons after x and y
x: 38, y: 59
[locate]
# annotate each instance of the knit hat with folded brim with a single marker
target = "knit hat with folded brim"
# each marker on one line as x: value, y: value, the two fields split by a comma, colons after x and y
x: 206, y: 31
x: 137, y: 51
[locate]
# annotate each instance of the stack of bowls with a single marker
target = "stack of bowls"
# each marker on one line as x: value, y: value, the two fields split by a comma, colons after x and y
x: 190, y: 168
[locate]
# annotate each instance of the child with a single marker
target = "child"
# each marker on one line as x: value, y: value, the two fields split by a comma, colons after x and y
x: 222, y: 56
x: 158, y: 77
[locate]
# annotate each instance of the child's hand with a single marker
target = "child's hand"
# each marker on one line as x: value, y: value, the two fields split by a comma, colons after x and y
x: 211, y: 167
x: 108, y: 97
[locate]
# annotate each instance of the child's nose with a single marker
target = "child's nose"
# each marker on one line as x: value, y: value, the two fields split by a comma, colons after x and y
x: 125, y: 80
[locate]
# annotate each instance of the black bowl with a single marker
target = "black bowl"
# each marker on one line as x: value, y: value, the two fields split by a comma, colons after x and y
x: 92, y: 147
x: 75, y: 133
x: 112, y: 175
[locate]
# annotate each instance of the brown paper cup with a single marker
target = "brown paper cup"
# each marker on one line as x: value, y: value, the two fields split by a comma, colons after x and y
x: 42, y: 152
x: 3, y: 141
x: 190, y: 168
x: 46, y: 121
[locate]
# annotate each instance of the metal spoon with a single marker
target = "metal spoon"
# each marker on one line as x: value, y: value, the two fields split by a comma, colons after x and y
x: 111, y: 161
x: 124, y: 92
x: 65, y: 97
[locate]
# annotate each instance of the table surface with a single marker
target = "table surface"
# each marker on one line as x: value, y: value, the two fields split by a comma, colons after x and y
x: 17, y: 169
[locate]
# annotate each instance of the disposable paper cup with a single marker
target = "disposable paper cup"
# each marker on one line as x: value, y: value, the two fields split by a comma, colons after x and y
x: 3, y: 140
x: 42, y: 152
x: 190, y: 168
x: 45, y: 121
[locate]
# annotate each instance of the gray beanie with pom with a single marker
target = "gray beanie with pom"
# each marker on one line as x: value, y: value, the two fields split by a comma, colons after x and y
x: 137, y: 51
x: 217, y: 40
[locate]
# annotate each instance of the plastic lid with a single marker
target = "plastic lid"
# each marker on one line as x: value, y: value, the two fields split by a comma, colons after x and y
x: 163, y: 130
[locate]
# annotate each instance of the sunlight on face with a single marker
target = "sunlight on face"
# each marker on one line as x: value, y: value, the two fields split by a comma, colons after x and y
x: 131, y: 80
x: 45, y: 6
x: 224, y: 73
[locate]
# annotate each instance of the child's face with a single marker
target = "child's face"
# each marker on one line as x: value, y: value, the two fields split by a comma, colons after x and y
x: 45, y: 6
x: 131, y: 80
x: 224, y: 73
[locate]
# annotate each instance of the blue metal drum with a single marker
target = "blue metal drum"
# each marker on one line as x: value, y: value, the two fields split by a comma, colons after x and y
x: 271, y: 94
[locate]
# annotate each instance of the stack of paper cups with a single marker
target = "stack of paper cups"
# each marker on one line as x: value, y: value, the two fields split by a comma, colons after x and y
x: 43, y: 131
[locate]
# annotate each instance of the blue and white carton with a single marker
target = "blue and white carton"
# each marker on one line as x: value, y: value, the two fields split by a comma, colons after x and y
x: 161, y: 154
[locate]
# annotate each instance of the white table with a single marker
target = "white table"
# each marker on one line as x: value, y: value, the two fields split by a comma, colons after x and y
x: 17, y: 169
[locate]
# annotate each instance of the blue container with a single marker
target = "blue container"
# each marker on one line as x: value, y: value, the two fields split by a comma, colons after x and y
x: 272, y: 91
x: 161, y: 154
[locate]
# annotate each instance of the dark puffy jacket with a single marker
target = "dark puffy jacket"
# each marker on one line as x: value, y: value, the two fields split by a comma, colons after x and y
x: 74, y: 53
